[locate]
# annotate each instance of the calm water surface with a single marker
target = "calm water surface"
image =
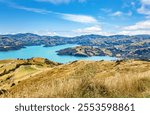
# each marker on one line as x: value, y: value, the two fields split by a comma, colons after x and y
x: 49, y: 53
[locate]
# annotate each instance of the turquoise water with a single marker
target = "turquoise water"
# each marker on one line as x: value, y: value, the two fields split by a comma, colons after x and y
x: 49, y: 53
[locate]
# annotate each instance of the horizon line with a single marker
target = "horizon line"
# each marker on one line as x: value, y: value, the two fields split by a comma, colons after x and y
x: 73, y: 36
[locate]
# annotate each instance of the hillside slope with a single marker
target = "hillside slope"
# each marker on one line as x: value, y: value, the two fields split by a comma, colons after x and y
x: 13, y: 72
x: 87, y: 79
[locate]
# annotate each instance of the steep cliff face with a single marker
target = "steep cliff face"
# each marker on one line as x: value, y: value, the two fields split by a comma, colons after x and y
x: 77, y: 79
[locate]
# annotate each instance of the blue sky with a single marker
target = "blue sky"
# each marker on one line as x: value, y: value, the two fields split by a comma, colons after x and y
x: 75, y: 17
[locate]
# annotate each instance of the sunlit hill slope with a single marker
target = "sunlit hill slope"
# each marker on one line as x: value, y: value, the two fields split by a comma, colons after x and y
x: 42, y: 78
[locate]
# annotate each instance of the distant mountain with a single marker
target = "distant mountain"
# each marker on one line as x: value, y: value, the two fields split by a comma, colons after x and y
x: 121, y: 45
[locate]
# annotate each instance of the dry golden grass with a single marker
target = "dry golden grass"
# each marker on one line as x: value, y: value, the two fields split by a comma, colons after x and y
x: 13, y: 72
x: 87, y: 79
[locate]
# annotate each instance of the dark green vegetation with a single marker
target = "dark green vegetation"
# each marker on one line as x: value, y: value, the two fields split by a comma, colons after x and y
x: 136, y: 47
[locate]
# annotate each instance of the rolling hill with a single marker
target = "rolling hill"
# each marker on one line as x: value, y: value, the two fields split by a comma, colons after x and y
x: 41, y: 78
x: 124, y: 46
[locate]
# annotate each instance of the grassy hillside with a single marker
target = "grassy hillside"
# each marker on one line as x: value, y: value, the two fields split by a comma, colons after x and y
x: 79, y: 79
x: 12, y: 72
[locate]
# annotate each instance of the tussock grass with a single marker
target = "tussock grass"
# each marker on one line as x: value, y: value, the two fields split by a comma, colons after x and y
x: 86, y: 79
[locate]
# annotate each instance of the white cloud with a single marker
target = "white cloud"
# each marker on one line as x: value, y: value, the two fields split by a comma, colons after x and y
x: 95, y: 29
x: 135, y: 32
x: 142, y: 27
x: 118, y: 13
x: 145, y: 2
x: 60, y: 1
x: 139, y: 26
x: 90, y: 30
x: 145, y: 7
x: 143, y: 10
x: 46, y: 33
x: 79, y: 18
x: 81, y: 31
x: 69, y: 17
x: 36, y: 10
